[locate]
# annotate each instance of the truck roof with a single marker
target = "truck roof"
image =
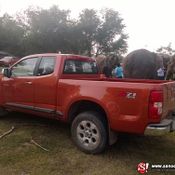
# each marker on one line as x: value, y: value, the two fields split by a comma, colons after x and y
x: 57, y: 54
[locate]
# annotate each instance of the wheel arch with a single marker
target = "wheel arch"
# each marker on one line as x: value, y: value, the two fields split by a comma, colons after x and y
x: 86, y: 105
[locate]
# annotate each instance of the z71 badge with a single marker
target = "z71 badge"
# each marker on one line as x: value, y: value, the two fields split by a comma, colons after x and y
x: 130, y: 95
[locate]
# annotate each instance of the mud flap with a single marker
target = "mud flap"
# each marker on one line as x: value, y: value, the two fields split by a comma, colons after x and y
x: 113, y: 136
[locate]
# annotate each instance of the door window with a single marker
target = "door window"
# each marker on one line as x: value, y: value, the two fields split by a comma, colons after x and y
x: 46, y: 66
x: 25, y: 68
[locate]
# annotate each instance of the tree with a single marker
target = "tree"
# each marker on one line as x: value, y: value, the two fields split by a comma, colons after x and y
x: 88, y: 24
x: 38, y: 30
x: 110, y: 37
x: 11, y: 35
x: 166, y: 50
x: 47, y: 29
x: 102, y: 35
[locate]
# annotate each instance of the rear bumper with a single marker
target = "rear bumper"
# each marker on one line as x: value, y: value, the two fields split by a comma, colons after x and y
x: 165, y: 126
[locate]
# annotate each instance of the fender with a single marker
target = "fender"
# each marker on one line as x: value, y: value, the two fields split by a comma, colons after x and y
x: 85, y: 98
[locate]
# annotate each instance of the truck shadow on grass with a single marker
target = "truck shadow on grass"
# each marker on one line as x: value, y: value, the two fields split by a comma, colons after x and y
x: 122, y: 157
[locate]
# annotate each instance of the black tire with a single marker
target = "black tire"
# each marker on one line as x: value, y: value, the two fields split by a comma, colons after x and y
x: 89, y: 132
x: 3, y: 112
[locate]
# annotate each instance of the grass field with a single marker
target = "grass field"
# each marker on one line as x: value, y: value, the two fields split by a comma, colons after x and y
x: 18, y: 156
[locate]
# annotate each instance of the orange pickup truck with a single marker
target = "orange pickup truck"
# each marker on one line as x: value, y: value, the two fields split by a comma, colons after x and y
x: 70, y: 88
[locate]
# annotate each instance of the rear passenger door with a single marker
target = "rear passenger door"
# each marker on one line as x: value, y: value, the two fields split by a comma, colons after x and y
x: 46, y: 85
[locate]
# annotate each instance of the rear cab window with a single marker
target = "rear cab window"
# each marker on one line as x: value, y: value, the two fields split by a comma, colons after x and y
x: 73, y: 66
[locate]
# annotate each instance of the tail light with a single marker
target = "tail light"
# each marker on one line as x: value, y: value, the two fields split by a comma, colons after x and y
x: 155, y: 105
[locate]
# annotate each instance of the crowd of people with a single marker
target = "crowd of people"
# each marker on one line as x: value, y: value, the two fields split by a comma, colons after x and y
x: 118, y: 72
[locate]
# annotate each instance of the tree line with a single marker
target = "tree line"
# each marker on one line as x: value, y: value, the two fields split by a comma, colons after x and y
x: 38, y: 30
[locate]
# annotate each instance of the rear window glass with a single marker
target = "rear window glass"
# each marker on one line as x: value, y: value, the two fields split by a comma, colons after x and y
x: 80, y: 67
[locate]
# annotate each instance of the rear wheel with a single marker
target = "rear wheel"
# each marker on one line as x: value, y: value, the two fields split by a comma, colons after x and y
x: 89, y: 132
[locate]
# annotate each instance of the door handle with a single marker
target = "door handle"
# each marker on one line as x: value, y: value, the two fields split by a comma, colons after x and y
x: 28, y: 82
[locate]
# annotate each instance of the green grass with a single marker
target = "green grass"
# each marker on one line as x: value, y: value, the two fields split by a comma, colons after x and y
x: 20, y: 157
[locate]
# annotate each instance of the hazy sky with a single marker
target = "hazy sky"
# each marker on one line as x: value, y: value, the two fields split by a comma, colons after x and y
x: 149, y: 23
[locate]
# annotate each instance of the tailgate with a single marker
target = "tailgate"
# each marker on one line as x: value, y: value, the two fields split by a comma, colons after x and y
x: 168, y: 98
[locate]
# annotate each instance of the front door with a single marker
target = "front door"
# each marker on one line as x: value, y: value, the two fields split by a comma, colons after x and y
x: 19, y: 88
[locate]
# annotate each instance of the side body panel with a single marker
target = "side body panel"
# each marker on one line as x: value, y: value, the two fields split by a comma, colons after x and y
x: 125, y: 112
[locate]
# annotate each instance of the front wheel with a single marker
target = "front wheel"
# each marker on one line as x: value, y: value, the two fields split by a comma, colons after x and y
x: 89, y: 132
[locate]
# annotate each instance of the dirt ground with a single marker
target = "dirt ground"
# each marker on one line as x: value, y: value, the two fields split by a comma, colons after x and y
x: 18, y: 156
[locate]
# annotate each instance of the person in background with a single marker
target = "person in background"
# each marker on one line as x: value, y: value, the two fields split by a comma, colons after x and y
x: 106, y: 71
x: 161, y: 73
x: 119, y: 71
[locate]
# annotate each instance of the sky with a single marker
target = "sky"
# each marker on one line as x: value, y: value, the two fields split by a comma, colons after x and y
x: 150, y: 24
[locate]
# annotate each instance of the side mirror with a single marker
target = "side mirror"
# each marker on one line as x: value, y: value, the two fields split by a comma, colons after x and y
x: 6, y: 72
